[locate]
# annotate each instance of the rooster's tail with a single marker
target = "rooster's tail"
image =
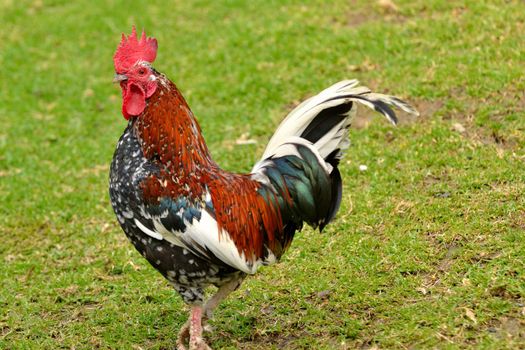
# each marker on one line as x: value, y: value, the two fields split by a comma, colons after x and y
x: 301, y: 158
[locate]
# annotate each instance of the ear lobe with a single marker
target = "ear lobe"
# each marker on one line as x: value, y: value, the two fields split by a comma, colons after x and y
x: 151, y: 87
x: 134, y: 101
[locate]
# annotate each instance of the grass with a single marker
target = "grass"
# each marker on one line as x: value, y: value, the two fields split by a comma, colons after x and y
x: 427, y: 250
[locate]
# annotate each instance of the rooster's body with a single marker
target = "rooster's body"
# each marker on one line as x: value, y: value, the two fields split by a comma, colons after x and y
x: 199, y: 225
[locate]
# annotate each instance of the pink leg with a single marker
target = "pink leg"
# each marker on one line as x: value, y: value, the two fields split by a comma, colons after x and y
x: 196, y: 341
x: 193, y: 327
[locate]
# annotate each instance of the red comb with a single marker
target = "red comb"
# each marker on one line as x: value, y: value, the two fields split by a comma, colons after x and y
x: 131, y: 50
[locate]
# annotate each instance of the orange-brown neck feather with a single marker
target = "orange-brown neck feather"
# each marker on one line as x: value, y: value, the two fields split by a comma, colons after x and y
x: 171, y: 137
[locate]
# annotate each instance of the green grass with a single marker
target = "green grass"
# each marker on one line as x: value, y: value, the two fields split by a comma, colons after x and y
x: 427, y: 250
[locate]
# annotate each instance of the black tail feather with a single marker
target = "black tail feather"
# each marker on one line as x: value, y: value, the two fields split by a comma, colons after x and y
x: 326, y: 120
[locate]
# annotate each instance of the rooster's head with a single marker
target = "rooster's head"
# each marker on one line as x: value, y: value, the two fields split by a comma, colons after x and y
x: 137, y: 78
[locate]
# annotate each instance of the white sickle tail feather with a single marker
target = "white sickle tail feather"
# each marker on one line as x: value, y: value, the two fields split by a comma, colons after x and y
x: 324, y: 119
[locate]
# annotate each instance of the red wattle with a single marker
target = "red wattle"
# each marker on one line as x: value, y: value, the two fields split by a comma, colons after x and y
x: 134, y: 101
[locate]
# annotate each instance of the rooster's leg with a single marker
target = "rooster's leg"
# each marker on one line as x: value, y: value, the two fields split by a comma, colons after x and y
x: 196, y: 341
x: 203, y: 315
x: 221, y: 294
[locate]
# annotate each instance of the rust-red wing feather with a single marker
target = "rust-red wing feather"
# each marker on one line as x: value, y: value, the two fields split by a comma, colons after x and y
x: 244, y: 213
x: 172, y: 138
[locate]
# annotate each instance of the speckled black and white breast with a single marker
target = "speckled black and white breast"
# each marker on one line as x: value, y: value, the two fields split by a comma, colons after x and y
x: 187, y: 272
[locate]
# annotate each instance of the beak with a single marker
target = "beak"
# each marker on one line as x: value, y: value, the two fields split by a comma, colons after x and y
x: 119, y: 77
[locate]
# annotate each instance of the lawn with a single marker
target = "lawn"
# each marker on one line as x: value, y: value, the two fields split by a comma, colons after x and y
x: 427, y: 250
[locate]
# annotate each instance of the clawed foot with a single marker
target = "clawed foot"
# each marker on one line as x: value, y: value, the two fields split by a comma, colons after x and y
x: 191, y: 332
x: 198, y: 344
x: 184, y: 336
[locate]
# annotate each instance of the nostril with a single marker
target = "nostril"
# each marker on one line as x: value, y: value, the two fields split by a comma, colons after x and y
x: 119, y: 78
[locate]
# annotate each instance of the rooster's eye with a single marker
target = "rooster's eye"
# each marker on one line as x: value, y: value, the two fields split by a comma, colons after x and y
x: 142, y: 71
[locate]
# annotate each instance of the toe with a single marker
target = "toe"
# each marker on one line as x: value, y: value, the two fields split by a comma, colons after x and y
x: 184, y: 334
x: 199, y: 344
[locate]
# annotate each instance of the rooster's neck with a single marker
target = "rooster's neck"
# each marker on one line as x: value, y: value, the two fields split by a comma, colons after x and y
x: 170, y: 134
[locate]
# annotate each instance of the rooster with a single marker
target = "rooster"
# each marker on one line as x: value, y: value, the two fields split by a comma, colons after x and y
x: 199, y: 225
